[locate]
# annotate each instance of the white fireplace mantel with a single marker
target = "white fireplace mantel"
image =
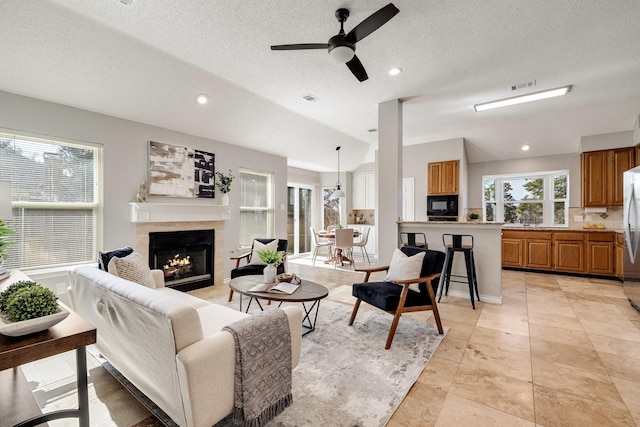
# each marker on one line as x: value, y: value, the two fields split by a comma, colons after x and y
x: 177, y: 212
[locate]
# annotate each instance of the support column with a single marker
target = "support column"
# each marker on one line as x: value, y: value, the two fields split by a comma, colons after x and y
x: 389, y: 177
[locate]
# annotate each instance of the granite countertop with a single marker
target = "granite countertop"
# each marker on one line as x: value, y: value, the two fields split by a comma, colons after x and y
x: 518, y: 227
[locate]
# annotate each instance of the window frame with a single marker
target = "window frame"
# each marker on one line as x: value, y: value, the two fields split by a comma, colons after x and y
x: 548, y: 201
x: 96, y: 206
x: 269, y: 209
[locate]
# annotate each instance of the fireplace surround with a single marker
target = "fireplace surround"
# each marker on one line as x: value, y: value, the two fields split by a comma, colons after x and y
x: 161, y: 217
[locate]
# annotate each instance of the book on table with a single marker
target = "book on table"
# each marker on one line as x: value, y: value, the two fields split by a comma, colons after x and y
x: 275, y: 288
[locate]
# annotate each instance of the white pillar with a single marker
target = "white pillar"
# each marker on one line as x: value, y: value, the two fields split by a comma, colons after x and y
x: 389, y: 177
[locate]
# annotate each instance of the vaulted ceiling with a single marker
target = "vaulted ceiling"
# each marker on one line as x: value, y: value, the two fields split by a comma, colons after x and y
x: 146, y: 61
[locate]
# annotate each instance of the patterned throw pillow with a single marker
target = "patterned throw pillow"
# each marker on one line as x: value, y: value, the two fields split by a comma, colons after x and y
x: 405, y: 267
x: 258, y: 246
x: 105, y: 257
x: 134, y: 268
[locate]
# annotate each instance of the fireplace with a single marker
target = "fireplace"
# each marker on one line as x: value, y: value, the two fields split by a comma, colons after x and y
x: 186, y: 257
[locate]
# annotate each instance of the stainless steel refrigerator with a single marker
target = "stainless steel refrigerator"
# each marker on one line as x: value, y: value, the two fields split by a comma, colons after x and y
x: 631, y: 224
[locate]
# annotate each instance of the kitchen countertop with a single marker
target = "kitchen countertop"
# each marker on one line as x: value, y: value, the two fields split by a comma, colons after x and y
x: 517, y: 227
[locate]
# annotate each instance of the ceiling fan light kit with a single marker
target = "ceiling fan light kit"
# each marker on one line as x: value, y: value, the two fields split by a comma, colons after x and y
x: 342, y: 47
x: 535, y: 96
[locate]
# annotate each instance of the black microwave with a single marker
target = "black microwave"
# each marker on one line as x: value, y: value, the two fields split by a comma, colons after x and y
x: 442, y: 205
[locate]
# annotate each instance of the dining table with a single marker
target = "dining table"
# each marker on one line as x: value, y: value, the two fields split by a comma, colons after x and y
x: 338, y: 256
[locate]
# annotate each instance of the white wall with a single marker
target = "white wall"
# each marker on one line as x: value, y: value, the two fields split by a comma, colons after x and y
x: 125, y: 161
x: 532, y: 164
x: 606, y: 141
x: 414, y: 165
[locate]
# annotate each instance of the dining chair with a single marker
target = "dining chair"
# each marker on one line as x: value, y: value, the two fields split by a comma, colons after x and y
x: 364, y: 238
x: 320, y: 242
x: 343, y: 246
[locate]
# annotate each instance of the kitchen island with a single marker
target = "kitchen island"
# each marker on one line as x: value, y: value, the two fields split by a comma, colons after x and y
x: 487, y: 253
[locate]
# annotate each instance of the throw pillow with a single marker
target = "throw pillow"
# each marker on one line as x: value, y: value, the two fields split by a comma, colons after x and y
x: 258, y: 246
x: 404, y: 267
x: 133, y: 268
x: 105, y: 257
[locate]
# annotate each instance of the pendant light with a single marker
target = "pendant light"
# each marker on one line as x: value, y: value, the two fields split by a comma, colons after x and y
x: 339, y: 191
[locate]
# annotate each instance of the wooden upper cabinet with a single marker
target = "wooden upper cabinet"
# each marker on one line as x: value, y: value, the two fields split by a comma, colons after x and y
x: 602, y: 176
x: 621, y: 160
x: 444, y: 177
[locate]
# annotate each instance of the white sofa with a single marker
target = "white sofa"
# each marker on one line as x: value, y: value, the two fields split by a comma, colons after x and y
x: 167, y: 343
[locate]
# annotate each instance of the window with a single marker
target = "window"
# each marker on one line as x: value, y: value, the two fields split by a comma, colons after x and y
x: 256, y: 206
x: 56, y: 200
x: 536, y: 199
x: 331, y: 207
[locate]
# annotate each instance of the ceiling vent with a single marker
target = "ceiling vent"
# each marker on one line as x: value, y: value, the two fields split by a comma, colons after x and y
x: 372, y: 130
x: 532, y: 83
x: 310, y: 98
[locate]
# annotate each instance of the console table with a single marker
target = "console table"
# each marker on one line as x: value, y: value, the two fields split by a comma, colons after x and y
x: 18, y: 407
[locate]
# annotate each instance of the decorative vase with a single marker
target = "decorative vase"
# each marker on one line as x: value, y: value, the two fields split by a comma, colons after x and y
x: 270, y: 273
x: 225, y: 199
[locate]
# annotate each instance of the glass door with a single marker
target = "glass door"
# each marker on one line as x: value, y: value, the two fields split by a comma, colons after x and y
x: 299, y: 219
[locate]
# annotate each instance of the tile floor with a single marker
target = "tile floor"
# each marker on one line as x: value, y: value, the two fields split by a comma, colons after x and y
x: 559, y: 351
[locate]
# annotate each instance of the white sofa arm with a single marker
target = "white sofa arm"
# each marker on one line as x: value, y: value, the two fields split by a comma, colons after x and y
x: 206, y: 371
x: 158, y: 278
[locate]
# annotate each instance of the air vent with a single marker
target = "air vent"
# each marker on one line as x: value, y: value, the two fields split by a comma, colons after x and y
x: 310, y: 98
x: 372, y: 130
x: 532, y: 83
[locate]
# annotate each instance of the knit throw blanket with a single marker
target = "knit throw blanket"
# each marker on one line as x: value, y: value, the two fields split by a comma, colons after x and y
x: 263, y: 367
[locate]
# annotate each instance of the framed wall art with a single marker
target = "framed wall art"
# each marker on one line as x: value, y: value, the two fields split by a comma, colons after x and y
x: 180, y: 171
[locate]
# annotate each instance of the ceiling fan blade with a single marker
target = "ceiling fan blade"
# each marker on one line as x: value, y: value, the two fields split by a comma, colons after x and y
x: 301, y: 46
x: 372, y: 23
x: 357, y: 69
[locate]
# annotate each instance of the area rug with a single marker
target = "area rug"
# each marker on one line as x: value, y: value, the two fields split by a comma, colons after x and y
x: 345, y: 377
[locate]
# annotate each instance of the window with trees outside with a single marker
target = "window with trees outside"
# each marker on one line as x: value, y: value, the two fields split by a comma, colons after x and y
x: 256, y: 206
x: 331, y: 207
x: 528, y: 200
x: 56, y: 200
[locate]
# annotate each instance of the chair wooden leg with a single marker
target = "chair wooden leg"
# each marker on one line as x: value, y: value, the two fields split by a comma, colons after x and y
x: 230, y: 295
x: 356, y: 306
x: 392, y: 331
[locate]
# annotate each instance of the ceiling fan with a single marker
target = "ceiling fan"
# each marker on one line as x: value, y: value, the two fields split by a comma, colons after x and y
x: 342, y: 46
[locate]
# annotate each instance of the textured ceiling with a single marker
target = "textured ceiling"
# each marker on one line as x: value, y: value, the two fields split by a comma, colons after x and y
x: 147, y: 61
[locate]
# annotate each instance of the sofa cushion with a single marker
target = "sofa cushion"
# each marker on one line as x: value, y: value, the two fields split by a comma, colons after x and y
x: 105, y: 257
x: 214, y: 317
x: 259, y: 246
x: 133, y: 268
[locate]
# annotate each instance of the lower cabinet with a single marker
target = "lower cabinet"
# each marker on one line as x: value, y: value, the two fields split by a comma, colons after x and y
x: 563, y: 251
x: 619, y: 270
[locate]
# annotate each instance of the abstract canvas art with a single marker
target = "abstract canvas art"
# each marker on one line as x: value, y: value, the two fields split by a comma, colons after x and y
x: 180, y: 172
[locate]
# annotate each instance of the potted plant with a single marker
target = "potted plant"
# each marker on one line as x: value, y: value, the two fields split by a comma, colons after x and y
x: 272, y: 258
x: 474, y: 216
x: 223, y: 182
x: 4, y: 231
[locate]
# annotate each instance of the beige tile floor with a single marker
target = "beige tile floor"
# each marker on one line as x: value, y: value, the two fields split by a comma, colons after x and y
x: 559, y: 351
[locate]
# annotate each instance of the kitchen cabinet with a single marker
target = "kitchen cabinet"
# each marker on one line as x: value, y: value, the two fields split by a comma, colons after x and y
x: 526, y: 249
x: 594, y: 253
x: 600, y: 253
x: 602, y: 176
x: 443, y: 177
x: 569, y: 252
x: 364, y: 191
x: 619, y: 257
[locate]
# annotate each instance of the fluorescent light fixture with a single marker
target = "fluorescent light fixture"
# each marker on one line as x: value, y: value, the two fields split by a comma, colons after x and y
x: 202, y: 98
x: 525, y: 147
x: 536, y: 96
x: 395, y: 71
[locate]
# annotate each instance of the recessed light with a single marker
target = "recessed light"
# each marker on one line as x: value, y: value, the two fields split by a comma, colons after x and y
x: 202, y: 98
x: 395, y: 71
x: 536, y: 96
x: 525, y: 148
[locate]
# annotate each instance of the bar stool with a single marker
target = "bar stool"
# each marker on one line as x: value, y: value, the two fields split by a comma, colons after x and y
x: 459, y: 243
x: 409, y: 239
